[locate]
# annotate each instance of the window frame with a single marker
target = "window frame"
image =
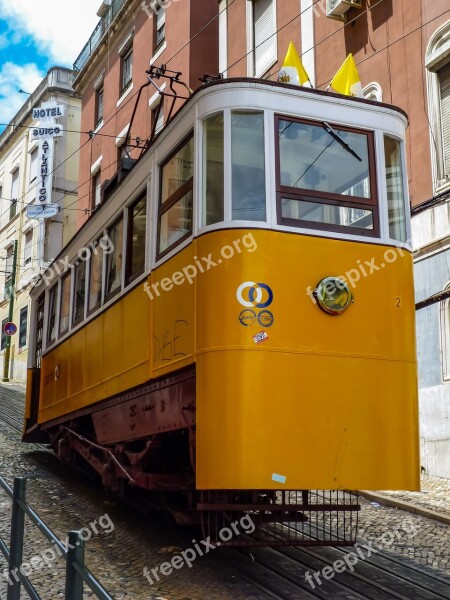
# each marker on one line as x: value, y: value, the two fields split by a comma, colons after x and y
x: 176, y: 197
x: 123, y: 57
x: 99, y: 92
x: 331, y: 199
x: 14, y: 201
x: 74, y: 322
x: 101, y: 252
x: 4, y: 337
x: 22, y: 311
x: 129, y: 238
x: 48, y: 341
x: 158, y: 45
x: 252, y: 70
x: 105, y: 295
x: 96, y: 176
x: 60, y: 331
x: 34, y: 154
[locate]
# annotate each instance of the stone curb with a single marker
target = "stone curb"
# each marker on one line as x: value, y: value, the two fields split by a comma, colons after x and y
x: 407, y: 506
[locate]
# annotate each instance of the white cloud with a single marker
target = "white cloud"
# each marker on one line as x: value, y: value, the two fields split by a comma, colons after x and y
x: 60, y: 28
x: 13, y: 78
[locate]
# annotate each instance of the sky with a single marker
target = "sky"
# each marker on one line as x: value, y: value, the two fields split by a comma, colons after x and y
x: 34, y: 36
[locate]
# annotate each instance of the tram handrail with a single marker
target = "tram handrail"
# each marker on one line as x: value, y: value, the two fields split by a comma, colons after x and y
x: 76, y: 571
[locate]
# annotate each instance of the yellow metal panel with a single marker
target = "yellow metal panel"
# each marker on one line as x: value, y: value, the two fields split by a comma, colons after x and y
x: 93, y: 363
x: 173, y: 317
x: 77, y: 350
x: 329, y: 402
x: 28, y: 392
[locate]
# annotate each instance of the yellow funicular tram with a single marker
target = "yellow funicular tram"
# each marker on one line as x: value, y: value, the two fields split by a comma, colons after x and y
x: 235, y: 331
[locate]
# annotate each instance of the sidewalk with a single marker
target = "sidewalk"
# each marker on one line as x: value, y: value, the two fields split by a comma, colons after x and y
x: 433, y: 501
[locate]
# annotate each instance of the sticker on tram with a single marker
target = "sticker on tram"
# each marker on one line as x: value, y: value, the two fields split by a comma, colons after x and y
x: 260, y: 337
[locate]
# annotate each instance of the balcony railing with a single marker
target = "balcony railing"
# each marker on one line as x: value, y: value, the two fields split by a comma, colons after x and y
x: 98, y: 33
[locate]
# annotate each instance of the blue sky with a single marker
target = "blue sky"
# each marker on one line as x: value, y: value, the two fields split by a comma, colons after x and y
x: 35, y: 35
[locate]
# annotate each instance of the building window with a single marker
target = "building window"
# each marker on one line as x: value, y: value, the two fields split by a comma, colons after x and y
x: 175, y: 211
x: 127, y: 70
x: 34, y: 164
x: 14, y: 194
x: 4, y: 336
x: 96, y: 190
x: 65, y: 304
x: 28, y: 247
x: 158, y: 118
x: 437, y: 62
x: 160, y: 28
x: 98, y: 106
x: 8, y: 268
x: 114, y: 260
x: 445, y: 337
x: 137, y: 225
x: 95, y: 280
x: 23, y: 326
x: 261, y: 36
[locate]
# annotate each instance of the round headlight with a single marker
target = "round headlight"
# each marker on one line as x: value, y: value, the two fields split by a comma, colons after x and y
x: 333, y: 295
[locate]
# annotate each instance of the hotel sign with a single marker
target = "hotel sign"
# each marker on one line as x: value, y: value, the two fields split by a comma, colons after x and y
x: 45, y: 132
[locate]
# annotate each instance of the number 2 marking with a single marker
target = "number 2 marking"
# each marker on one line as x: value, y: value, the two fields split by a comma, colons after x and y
x: 398, y: 302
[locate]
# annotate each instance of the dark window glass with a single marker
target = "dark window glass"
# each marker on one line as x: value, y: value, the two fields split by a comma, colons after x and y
x: 127, y: 69
x: 136, y: 238
x: 95, y: 279
x: 79, y: 293
x: 160, y: 28
x: 14, y: 194
x: 175, y: 213
x: 98, y: 106
x: 23, y: 326
x: 248, y: 166
x: 213, y: 153
x: 4, y: 336
x: 51, y: 322
x: 114, y: 260
x: 65, y: 304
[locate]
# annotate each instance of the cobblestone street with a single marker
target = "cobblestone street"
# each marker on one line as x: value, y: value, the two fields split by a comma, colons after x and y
x: 68, y: 500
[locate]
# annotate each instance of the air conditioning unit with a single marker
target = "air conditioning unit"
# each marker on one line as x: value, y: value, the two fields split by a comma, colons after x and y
x: 336, y: 9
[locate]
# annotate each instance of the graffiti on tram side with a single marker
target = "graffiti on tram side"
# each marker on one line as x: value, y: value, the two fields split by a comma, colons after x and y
x: 170, y: 344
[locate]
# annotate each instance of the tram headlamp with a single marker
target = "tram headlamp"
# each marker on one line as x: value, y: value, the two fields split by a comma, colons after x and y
x: 333, y: 295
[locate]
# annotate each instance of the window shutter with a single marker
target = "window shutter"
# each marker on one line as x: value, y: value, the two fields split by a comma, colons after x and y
x: 444, y: 79
x: 265, y: 40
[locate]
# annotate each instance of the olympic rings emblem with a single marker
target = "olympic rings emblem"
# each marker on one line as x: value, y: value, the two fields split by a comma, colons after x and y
x: 254, y: 296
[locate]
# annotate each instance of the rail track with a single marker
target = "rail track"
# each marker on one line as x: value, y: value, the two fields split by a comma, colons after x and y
x: 281, y: 573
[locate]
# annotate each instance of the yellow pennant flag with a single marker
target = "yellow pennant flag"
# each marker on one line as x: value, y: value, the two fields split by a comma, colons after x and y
x: 347, y: 81
x: 292, y: 70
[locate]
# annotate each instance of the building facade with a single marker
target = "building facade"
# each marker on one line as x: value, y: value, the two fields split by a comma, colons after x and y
x: 131, y: 36
x: 25, y: 163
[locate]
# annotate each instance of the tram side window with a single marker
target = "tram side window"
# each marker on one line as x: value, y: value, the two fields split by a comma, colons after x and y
x: 137, y: 223
x: 114, y: 260
x: 65, y: 304
x: 51, y: 320
x: 175, y: 211
x: 248, y: 166
x: 395, y: 189
x: 213, y: 169
x: 79, y: 293
x: 95, y: 279
x: 326, y: 177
